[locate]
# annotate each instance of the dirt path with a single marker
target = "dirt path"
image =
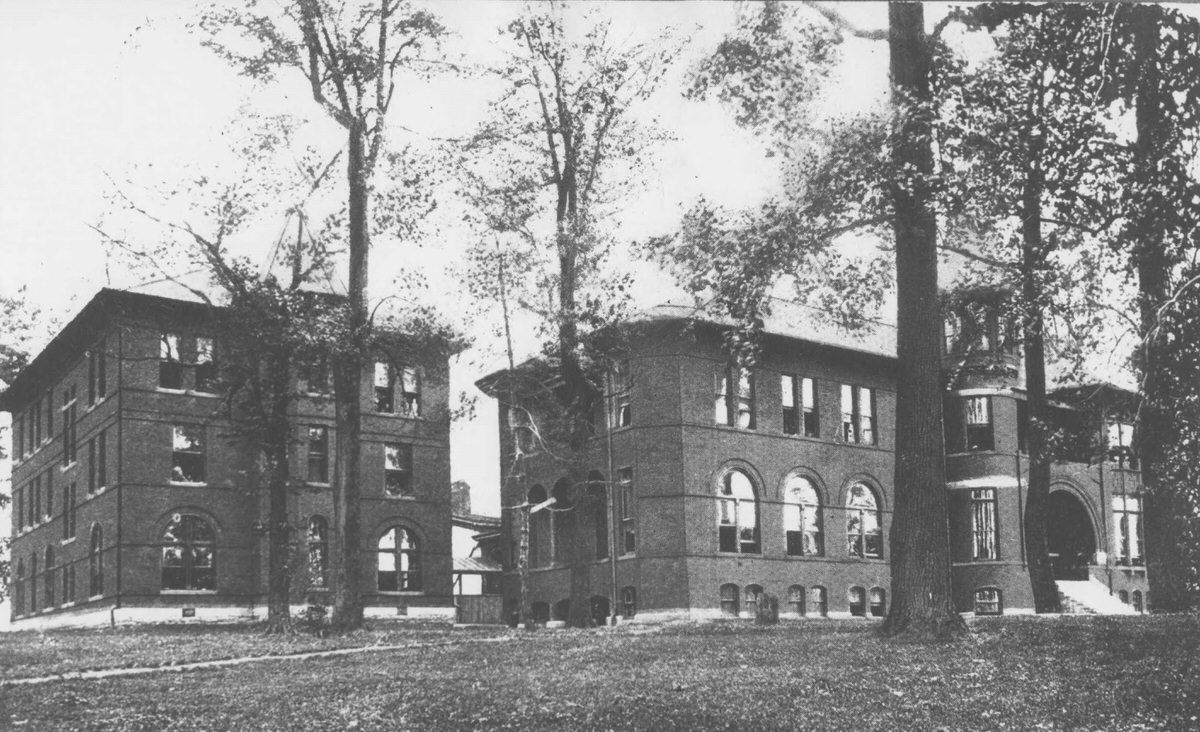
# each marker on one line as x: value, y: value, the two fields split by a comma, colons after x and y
x: 105, y: 673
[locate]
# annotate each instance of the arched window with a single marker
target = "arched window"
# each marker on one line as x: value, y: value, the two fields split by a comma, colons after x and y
x: 1137, y: 601
x: 864, y: 527
x: 628, y: 601
x: 539, y: 612
x: 988, y: 601
x: 189, y: 554
x: 317, y: 540
x: 738, y: 514
x: 49, y: 576
x: 562, y: 521
x: 539, y: 529
x: 96, y: 562
x: 796, y: 599
x: 1123, y: 596
x: 398, y: 561
x: 562, y: 610
x: 754, y: 595
x: 598, y: 497
x: 19, y: 588
x: 729, y: 600
x: 857, y: 597
x: 878, y: 602
x: 819, y: 601
x: 802, y: 518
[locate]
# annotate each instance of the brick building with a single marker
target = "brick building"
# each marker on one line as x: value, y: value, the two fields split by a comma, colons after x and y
x: 729, y: 483
x: 131, y: 502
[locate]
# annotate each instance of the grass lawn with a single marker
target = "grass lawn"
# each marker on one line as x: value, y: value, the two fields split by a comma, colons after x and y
x: 1013, y: 673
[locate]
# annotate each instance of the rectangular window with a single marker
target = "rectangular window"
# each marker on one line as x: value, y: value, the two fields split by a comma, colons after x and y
x: 69, y: 583
x: 102, y: 459
x: 20, y: 520
x: 858, y: 414
x: 397, y: 470
x: 734, y: 403
x: 318, y: 454
x: 626, y: 506
x: 49, y: 415
x: 68, y: 499
x: 170, y: 363
x: 49, y: 494
x: 983, y: 524
x: 978, y: 419
x: 385, y: 380
x: 91, y: 473
x: 91, y: 359
x: 410, y: 392
x: 1120, y: 445
x: 101, y: 371
x: 187, y: 454
x: 799, y: 406
x: 1127, y: 530
x: 37, y: 424
x: 619, y: 387
x: 37, y: 501
x: 20, y: 435
x: 206, y: 365
x: 69, y: 427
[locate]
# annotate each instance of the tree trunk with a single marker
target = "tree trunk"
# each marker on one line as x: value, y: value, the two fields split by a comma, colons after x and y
x: 1045, y: 592
x: 920, y: 542
x: 348, y: 571
x: 1033, y: 260
x: 279, y: 529
x: 1165, y: 573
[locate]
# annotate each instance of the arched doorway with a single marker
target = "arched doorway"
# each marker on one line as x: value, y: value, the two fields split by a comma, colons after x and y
x: 1069, y: 536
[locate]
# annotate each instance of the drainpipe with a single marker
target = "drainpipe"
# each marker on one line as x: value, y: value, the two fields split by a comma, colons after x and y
x: 120, y: 464
x: 611, y: 507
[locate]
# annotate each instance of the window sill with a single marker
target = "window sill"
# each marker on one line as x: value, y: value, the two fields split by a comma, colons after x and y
x: 399, y: 498
x: 66, y: 468
x: 187, y: 592
x: 96, y: 597
x: 64, y: 542
x: 317, y: 483
x: 188, y: 484
x: 401, y: 593
x: 187, y: 392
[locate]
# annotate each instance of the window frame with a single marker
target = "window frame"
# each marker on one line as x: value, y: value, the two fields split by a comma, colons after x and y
x: 859, y: 425
x: 801, y: 417
x: 398, y: 479
x: 199, y: 456
x: 985, y: 524
x: 735, y: 396
x: 627, y: 502
x: 619, y: 384
x: 859, y: 539
x: 96, y: 562
x: 316, y: 541
x: 978, y: 603
x: 726, y: 499
x: 319, y: 456
x: 798, y: 538
x: 730, y: 598
x: 978, y: 436
x: 628, y: 602
x: 1125, y: 541
x: 196, y: 578
x: 405, y: 580
x: 856, y: 599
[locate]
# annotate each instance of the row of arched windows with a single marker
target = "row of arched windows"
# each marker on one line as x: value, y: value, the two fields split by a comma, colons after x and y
x: 541, y: 612
x: 813, y: 602
x: 40, y: 589
x: 551, y: 529
x: 803, y: 517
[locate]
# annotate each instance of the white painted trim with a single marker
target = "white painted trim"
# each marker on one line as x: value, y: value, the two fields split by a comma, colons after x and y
x: 988, y: 481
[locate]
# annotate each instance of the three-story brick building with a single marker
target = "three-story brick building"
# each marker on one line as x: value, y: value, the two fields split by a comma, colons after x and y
x: 727, y: 483
x: 133, y: 502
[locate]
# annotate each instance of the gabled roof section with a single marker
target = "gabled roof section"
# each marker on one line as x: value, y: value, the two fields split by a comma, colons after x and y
x: 101, y: 311
x: 476, y: 522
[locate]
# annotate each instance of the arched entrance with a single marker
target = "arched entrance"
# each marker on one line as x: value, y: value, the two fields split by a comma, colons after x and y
x: 1069, y: 536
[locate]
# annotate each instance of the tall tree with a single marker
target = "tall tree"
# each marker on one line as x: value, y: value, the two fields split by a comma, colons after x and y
x: 541, y: 174
x: 270, y: 324
x: 1023, y: 136
x: 920, y: 542
x: 352, y: 55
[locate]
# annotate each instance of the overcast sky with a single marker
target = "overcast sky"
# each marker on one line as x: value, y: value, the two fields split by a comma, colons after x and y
x: 102, y: 90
